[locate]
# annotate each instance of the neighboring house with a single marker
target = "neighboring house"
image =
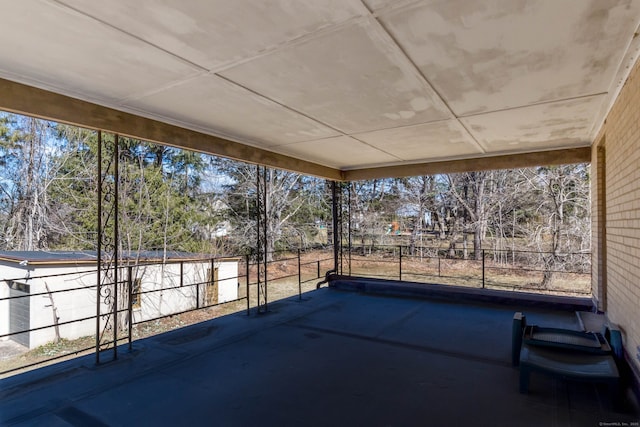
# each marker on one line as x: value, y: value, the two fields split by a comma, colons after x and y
x: 38, y: 286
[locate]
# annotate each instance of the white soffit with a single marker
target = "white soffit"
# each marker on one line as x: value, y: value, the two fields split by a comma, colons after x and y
x: 215, y: 33
x: 343, y: 151
x: 562, y: 124
x: 51, y: 46
x: 337, y: 78
x: 210, y: 102
x: 439, y: 140
x: 343, y: 83
x: 487, y: 56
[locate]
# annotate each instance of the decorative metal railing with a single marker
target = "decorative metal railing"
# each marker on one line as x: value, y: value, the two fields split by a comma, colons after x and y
x: 76, y: 302
x: 185, y: 286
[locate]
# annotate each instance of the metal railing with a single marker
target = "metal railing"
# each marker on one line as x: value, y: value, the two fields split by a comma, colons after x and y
x: 62, y: 306
x: 177, y: 288
x: 515, y: 270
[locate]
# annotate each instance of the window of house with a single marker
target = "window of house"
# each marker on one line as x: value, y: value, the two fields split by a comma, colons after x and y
x: 18, y: 286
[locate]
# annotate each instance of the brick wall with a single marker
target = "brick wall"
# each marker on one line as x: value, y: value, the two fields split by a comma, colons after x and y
x: 617, y: 287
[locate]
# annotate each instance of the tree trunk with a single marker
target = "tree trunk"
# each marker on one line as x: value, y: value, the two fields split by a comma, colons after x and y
x: 54, y: 311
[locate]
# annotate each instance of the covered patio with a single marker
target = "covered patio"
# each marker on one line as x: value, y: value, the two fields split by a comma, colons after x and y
x: 338, y: 358
x: 345, y: 91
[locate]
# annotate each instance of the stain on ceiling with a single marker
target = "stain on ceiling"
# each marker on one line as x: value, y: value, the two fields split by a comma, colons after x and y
x: 342, y: 83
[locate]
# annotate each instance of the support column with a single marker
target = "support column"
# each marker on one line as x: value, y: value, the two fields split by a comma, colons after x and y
x: 336, y: 211
x: 262, y: 173
x: 107, y: 249
x: 341, y: 212
x: 599, y: 291
x: 347, y: 211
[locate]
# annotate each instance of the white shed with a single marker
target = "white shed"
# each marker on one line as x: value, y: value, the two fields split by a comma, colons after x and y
x: 41, y: 289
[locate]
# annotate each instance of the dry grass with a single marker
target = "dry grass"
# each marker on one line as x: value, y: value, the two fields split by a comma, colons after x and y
x: 469, y: 273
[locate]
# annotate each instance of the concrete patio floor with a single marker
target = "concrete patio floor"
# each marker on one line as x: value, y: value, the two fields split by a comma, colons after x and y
x: 335, y: 359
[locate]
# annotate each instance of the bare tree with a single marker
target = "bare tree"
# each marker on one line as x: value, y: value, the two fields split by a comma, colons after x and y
x: 285, y: 197
x: 563, y: 231
x: 54, y: 312
x: 419, y: 192
x: 469, y: 191
x: 27, y: 175
x: 373, y: 206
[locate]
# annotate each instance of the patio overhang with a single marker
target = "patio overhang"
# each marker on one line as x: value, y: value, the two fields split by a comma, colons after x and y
x: 31, y: 101
x: 341, y: 90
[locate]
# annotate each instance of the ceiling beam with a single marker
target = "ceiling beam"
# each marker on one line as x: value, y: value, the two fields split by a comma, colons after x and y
x: 511, y: 161
x: 30, y: 101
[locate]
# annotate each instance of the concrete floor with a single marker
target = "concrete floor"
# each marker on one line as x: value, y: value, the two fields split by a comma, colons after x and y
x: 336, y: 359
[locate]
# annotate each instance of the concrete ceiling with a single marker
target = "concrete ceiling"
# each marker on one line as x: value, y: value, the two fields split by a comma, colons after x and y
x: 346, y: 84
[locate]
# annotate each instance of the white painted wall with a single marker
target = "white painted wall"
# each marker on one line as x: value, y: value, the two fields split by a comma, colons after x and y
x: 228, y: 281
x: 162, y: 293
x: 71, y: 305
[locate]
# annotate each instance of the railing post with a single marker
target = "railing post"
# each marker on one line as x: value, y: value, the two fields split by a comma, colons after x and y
x: 318, y: 261
x: 299, y: 277
x: 130, y: 304
x: 483, y: 270
x: 181, y: 273
x: 247, y: 259
x: 211, y: 284
x: 198, y: 295
x: 400, y: 247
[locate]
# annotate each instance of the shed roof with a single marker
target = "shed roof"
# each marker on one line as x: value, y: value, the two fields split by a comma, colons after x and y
x: 89, y: 257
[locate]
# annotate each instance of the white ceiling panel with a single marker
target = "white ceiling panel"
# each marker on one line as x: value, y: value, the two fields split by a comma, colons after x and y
x: 55, y: 47
x: 439, y: 140
x: 213, y: 104
x: 540, y: 127
x: 486, y: 56
x: 343, y: 151
x: 215, y: 33
x: 337, y: 78
x: 347, y: 84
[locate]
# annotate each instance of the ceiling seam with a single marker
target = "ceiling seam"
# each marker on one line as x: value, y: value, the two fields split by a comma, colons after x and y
x: 392, y: 7
x: 378, y: 149
x: 286, y: 107
x: 204, y: 71
x: 195, y: 127
x: 376, y: 19
x: 320, y: 32
x: 120, y: 30
x: 175, y: 83
x: 518, y: 107
x: 214, y: 70
x: 41, y: 103
x: 598, y: 104
x: 355, y: 134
